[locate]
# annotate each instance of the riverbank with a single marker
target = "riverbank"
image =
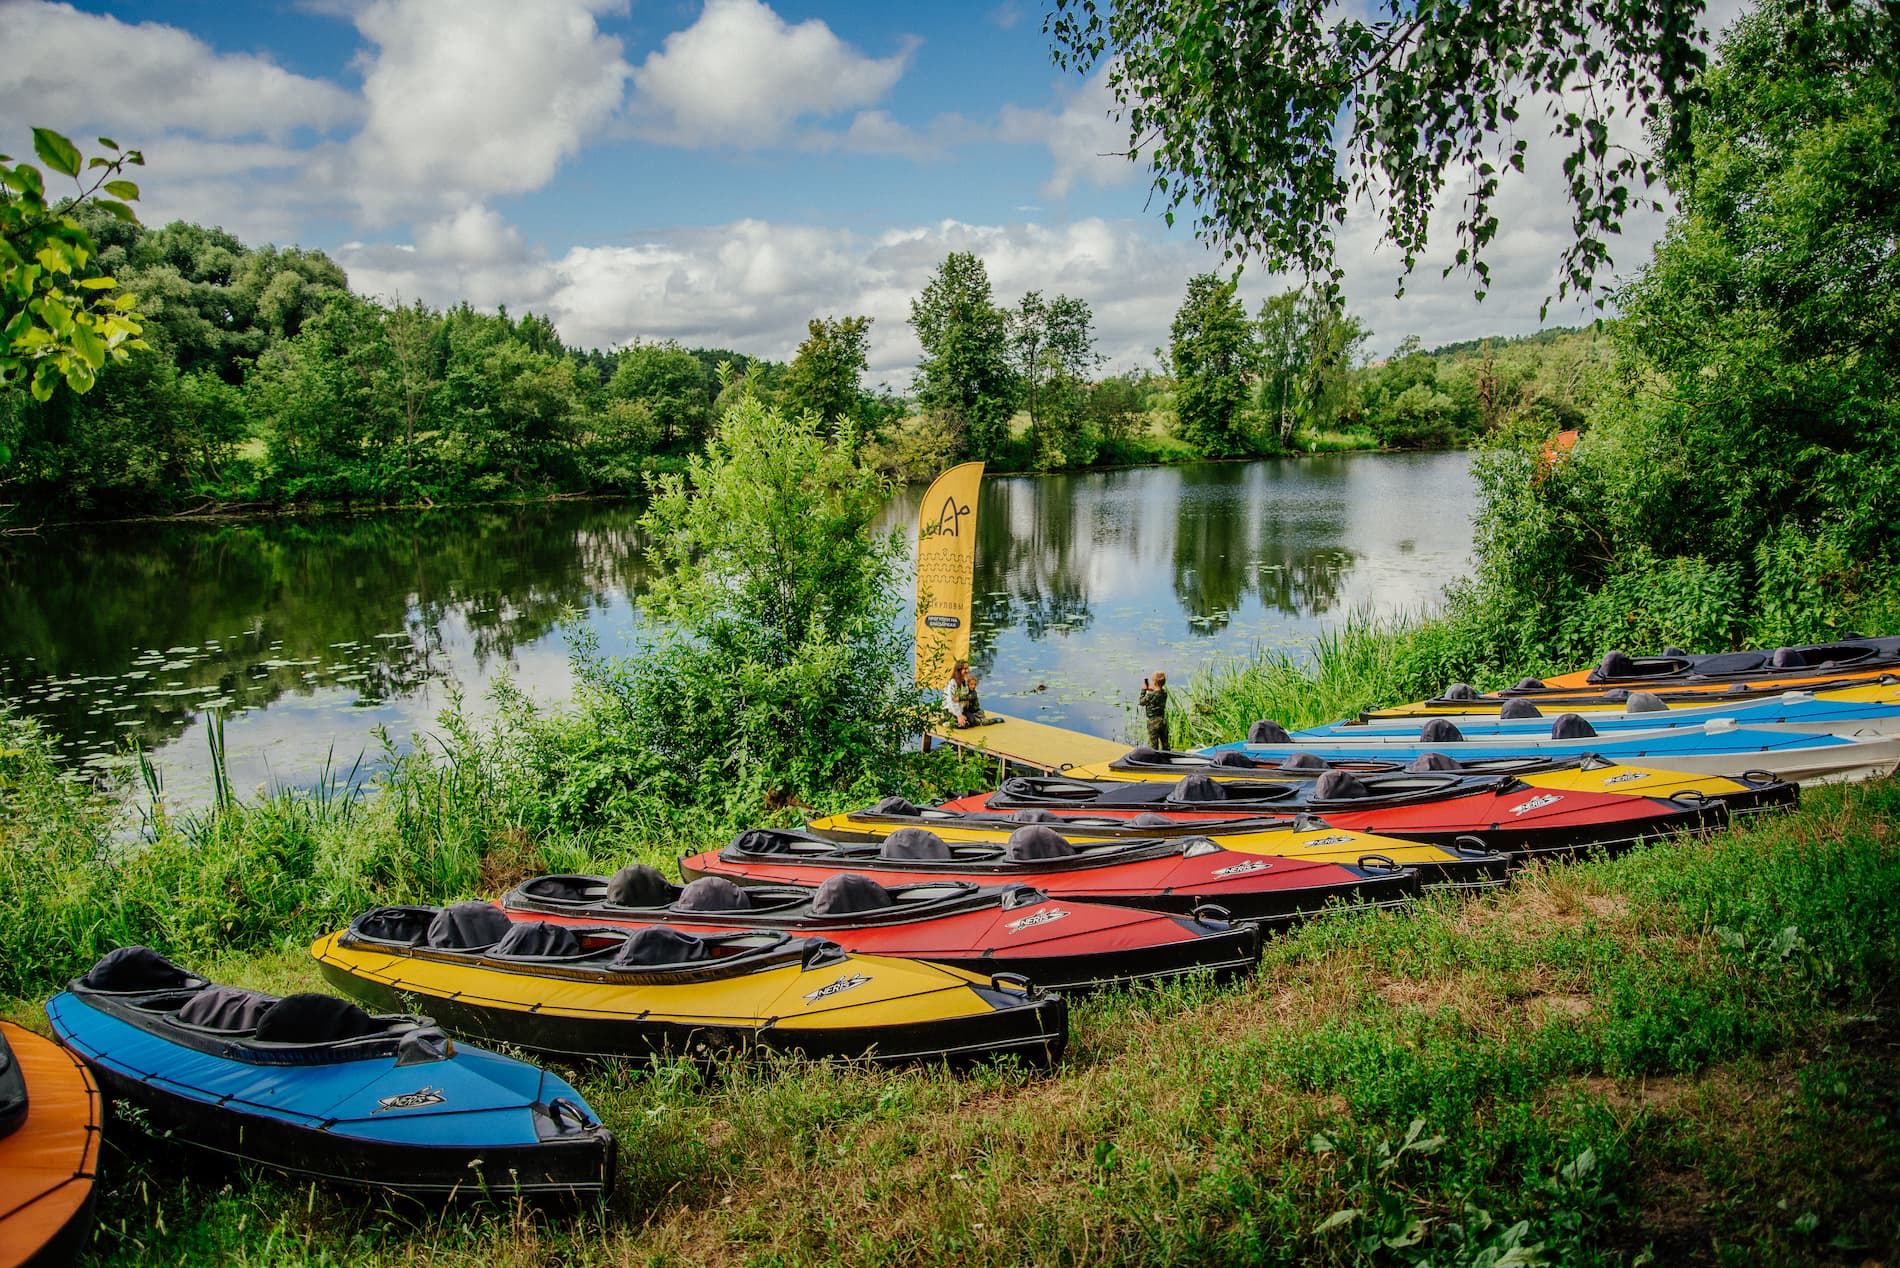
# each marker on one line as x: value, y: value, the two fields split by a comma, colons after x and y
x: 1684, y: 1053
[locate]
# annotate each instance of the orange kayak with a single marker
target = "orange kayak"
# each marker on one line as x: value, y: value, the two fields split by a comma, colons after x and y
x: 48, y: 1160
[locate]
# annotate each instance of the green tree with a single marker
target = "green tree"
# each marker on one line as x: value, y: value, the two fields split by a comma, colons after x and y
x: 964, y: 373
x: 672, y: 384
x: 1272, y: 120
x: 1307, y: 345
x: 778, y: 666
x: 1052, y: 350
x: 59, y: 320
x: 1747, y: 447
x: 1215, y: 358
x: 826, y: 376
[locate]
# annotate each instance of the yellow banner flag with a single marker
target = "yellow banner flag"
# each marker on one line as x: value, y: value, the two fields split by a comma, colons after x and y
x: 946, y: 569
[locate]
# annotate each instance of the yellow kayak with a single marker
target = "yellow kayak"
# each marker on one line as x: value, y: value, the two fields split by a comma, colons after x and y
x: 1304, y: 838
x: 1682, y: 703
x: 1742, y: 795
x: 615, y: 991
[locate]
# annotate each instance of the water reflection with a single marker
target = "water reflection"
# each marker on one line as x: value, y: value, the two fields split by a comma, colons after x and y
x: 117, y: 634
x: 309, y: 633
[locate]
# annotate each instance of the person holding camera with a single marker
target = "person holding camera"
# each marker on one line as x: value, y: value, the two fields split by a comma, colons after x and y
x: 1154, y: 706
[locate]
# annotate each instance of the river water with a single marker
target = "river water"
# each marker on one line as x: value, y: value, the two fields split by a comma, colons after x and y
x: 306, y: 635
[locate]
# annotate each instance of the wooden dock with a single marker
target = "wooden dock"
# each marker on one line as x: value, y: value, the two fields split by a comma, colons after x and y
x: 1034, y: 746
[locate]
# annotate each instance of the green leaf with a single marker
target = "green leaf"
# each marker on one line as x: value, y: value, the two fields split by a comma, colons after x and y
x: 56, y: 151
x: 122, y: 189
x: 1336, y: 1219
x: 108, y: 142
x: 118, y: 210
x: 26, y: 179
x: 98, y: 283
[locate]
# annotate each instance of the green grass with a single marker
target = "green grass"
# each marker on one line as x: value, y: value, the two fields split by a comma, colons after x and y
x: 1364, y: 661
x: 1683, y: 1055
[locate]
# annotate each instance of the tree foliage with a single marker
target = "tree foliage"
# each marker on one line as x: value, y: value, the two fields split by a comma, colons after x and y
x: 1215, y: 358
x: 778, y: 665
x: 1740, y: 476
x: 826, y: 375
x: 1052, y: 350
x: 964, y: 372
x: 59, y: 318
x: 1268, y: 121
x: 1308, y: 343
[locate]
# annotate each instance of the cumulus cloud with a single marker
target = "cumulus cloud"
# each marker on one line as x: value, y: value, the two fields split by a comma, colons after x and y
x: 1087, y: 145
x: 753, y: 285
x: 94, y: 70
x: 743, y: 76
x: 466, y: 99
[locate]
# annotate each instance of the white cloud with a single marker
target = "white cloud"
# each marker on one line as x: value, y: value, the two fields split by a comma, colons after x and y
x: 1086, y: 146
x: 68, y: 69
x: 471, y: 98
x: 743, y: 76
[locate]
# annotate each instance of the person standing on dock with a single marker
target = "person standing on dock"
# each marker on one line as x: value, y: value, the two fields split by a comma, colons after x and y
x: 1154, y: 704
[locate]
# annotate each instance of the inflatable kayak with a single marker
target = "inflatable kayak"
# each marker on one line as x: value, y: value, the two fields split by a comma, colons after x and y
x: 1499, y: 813
x: 1182, y: 874
x: 1460, y: 700
x: 1064, y: 945
x: 1855, y: 713
x: 1716, y: 747
x: 314, y: 1086
x: 1747, y: 793
x: 1453, y: 866
x: 51, y: 1120
x: 612, y: 991
x: 1783, y: 666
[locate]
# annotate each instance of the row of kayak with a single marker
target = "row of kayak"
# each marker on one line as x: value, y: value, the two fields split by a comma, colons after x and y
x: 950, y: 932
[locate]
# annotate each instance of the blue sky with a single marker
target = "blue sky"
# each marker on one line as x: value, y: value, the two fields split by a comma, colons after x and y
x: 716, y: 171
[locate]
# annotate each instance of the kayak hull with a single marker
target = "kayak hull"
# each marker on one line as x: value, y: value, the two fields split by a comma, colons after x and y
x: 1455, y: 867
x: 1749, y: 792
x: 810, y: 1000
x: 49, y: 1161
x: 1178, y: 876
x: 468, y: 1124
x: 1060, y: 945
x: 1501, y: 815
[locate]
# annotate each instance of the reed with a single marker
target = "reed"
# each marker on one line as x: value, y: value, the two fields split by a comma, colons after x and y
x: 1362, y: 662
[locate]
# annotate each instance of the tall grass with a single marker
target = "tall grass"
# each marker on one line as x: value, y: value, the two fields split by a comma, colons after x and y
x: 1363, y: 662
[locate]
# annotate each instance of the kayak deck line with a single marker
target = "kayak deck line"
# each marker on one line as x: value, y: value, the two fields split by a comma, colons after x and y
x: 1035, y: 745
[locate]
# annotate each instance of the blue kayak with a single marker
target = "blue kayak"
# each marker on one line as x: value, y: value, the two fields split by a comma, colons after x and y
x: 1717, y: 747
x: 314, y: 1086
x: 1790, y: 711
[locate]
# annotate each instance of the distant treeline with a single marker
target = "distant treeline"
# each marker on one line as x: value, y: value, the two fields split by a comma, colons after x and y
x: 267, y: 382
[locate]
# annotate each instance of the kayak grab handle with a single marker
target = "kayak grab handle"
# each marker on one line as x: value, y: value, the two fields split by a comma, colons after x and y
x: 1379, y: 863
x: 1470, y: 845
x: 568, y: 1116
x: 1004, y: 981
x: 1690, y: 797
x: 820, y: 952
x: 1213, y: 915
x: 1758, y: 778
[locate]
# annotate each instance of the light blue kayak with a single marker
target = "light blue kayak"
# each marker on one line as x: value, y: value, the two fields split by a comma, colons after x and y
x: 1791, y: 711
x: 1717, y: 747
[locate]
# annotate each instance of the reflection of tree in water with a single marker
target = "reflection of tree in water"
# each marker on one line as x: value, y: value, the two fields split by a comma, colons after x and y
x: 257, y: 611
x: 1031, y: 563
x: 1233, y: 537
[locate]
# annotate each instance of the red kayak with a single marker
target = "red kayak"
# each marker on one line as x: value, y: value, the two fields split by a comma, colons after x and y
x: 1499, y: 813
x: 1178, y: 875
x: 1057, y: 944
